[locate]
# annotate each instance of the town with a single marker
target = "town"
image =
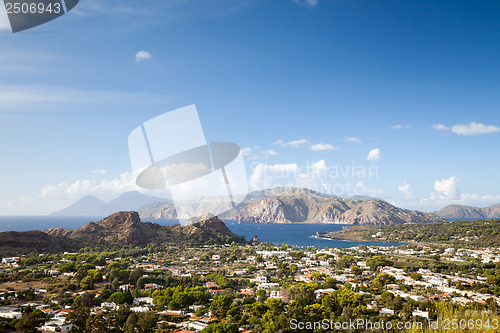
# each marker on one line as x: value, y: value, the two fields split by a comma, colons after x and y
x: 248, y: 288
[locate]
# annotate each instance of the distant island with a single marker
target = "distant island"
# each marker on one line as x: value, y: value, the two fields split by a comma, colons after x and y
x: 280, y: 205
x: 90, y: 205
x: 469, y: 212
x: 301, y: 205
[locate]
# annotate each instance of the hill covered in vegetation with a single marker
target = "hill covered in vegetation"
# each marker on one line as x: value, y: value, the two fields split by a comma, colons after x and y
x: 482, y: 233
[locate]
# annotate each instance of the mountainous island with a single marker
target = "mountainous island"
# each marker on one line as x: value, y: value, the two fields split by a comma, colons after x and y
x: 93, y: 206
x: 300, y: 205
x: 121, y: 228
x: 469, y: 212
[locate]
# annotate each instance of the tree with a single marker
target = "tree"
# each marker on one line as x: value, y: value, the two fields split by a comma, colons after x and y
x: 316, y: 312
x: 135, y: 275
x: 356, y: 270
x: 221, y: 328
x: 30, y: 320
x: 98, y: 323
x: 78, y: 317
x: 416, y: 276
x: 131, y: 324
x: 493, y: 280
x: 268, y: 323
x: 220, y: 306
x: 346, y: 296
x: 275, y: 304
x: 121, y: 298
x: 87, y: 283
x: 383, y: 279
x: 234, y: 312
x: 146, y: 322
x: 27, y: 294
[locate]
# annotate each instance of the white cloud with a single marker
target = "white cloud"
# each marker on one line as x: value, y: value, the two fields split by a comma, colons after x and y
x: 99, y: 171
x: 271, y: 152
x: 405, y: 189
x: 306, y: 3
x: 474, y: 129
x: 4, y: 19
x: 446, y: 189
x: 305, y: 143
x: 440, y: 127
x: 398, y: 127
x: 446, y: 192
x: 319, y: 166
x: 343, y: 181
x: 361, y: 189
x: 353, y: 140
x: 271, y: 175
x: 55, y: 197
x: 255, y: 153
x: 323, y: 146
x: 293, y: 144
x: 246, y: 151
x: 142, y: 55
x: 374, y: 155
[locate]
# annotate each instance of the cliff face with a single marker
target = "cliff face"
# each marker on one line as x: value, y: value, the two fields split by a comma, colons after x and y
x: 469, y: 212
x: 290, y: 207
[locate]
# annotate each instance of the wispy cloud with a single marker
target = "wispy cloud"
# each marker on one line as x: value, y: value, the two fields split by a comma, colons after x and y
x: 353, y: 140
x: 304, y: 143
x: 292, y: 144
x: 399, y: 127
x: 100, y: 171
x: 44, y: 97
x: 374, y: 155
x: 255, y: 153
x: 142, y: 55
x: 306, y: 3
x: 440, y: 127
x: 323, y: 146
x: 271, y: 152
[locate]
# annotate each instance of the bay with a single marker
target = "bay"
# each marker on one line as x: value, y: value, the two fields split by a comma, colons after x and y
x: 299, y: 234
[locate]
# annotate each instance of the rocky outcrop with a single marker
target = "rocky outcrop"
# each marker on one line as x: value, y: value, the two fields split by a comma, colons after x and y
x: 198, y: 219
x: 122, y: 228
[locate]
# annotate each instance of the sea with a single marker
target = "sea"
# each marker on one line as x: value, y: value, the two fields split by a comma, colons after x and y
x: 300, y: 234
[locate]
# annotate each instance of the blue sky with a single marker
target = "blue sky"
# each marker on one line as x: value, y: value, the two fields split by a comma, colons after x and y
x: 409, y: 89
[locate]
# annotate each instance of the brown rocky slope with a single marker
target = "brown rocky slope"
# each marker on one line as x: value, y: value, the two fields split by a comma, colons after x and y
x: 121, y: 228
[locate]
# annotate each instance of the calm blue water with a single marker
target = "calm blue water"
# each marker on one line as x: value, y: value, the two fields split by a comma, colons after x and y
x: 293, y: 234
x: 296, y: 234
